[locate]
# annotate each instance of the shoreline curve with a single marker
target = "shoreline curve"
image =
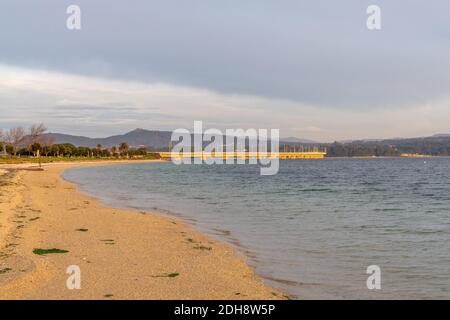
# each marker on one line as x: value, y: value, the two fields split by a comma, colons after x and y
x: 122, y: 253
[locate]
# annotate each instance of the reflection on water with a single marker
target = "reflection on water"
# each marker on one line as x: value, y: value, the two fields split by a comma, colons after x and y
x: 314, y: 228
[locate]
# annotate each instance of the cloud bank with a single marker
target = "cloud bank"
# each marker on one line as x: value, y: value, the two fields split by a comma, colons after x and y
x: 98, y: 107
x: 309, y: 67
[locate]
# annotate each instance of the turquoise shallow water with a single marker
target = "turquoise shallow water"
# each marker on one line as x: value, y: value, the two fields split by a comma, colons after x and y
x: 314, y: 228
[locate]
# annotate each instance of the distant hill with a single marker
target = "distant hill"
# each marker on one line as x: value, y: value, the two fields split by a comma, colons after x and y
x: 135, y: 138
x: 296, y: 140
x: 437, y: 145
x: 442, y: 135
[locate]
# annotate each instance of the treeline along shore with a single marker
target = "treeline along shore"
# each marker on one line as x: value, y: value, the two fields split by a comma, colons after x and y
x: 35, y: 142
x: 20, y: 143
x: 427, y: 146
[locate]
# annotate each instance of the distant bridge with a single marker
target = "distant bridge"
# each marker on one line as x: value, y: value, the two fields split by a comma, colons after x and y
x: 243, y: 155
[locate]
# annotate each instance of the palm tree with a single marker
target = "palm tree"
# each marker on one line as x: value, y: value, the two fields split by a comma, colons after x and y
x: 114, y: 150
x: 124, y: 148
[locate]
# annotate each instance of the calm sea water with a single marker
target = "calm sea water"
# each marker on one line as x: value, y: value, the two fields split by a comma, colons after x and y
x: 313, y: 229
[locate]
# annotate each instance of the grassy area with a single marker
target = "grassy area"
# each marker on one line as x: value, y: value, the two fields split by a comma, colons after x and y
x: 19, y: 160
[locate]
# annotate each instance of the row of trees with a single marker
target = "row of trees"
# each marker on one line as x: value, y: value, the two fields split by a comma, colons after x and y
x: 391, y: 148
x: 34, y: 142
x: 69, y: 150
x: 361, y: 150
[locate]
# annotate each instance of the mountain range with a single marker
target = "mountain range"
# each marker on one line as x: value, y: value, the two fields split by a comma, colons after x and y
x: 160, y: 140
x: 137, y: 138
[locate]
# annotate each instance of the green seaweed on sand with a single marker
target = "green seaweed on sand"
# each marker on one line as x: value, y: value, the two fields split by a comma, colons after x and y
x: 5, y: 270
x: 203, y: 248
x: 42, y: 252
x: 167, y: 275
x: 173, y: 275
x: 108, y: 241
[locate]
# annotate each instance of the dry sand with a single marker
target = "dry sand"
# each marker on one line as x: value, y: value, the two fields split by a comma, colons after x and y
x: 122, y: 254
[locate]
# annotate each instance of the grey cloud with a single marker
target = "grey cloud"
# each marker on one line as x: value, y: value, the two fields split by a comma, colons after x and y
x: 314, y: 52
x: 103, y: 113
x: 93, y: 108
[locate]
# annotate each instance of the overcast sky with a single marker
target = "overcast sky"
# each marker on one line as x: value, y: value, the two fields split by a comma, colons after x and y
x: 310, y: 68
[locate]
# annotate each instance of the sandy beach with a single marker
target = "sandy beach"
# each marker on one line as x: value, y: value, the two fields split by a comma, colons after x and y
x: 122, y: 254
